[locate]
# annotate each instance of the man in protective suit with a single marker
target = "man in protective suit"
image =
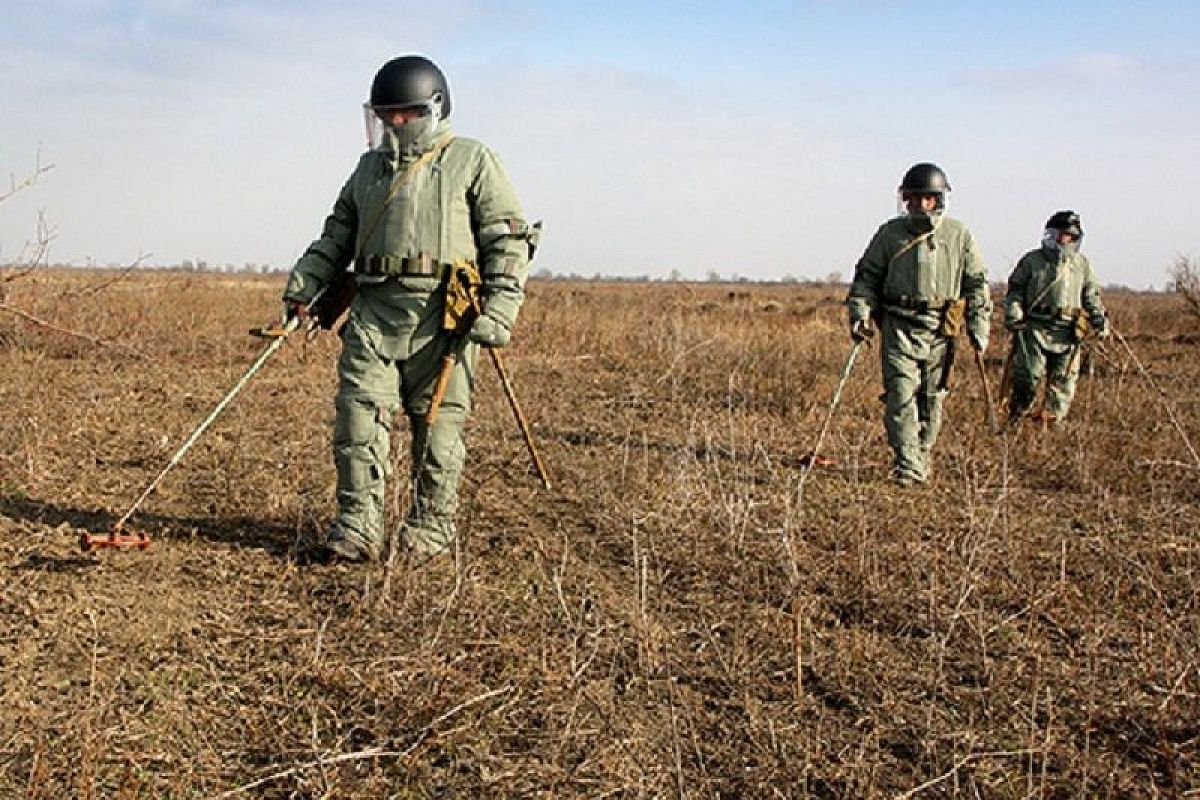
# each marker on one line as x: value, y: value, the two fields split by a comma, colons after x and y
x: 1053, y: 300
x: 921, y: 280
x: 420, y: 204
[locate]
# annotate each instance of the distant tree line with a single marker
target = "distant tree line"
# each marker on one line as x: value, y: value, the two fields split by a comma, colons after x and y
x: 675, y: 276
x: 187, y: 265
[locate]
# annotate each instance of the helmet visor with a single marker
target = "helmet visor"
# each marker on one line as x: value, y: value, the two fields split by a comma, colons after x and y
x: 902, y: 200
x: 382, y: 120
x: 1052, y: 238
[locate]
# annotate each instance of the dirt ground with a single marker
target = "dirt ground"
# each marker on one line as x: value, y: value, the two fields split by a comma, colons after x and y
x: 678, y: 617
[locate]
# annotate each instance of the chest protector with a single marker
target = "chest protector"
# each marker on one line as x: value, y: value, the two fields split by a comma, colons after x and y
x: 428, y: 219
x: 925, y: 271
x: 1055, y: 285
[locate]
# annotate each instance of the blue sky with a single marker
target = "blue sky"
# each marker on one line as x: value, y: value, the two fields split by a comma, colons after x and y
x: 758, y: 138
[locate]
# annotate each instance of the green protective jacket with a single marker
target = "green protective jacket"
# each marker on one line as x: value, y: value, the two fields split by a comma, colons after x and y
x: 457, y: 205
x: 1047, y: 290
x: 912, y: 275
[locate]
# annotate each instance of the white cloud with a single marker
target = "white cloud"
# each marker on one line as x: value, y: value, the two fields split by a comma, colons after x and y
x: 223, y: 131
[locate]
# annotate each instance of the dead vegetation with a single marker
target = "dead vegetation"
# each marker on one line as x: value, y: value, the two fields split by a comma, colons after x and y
x: 670, y: 621
x: 1185, y: 280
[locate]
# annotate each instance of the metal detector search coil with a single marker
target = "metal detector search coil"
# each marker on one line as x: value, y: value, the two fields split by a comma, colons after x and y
x: 115, y: 538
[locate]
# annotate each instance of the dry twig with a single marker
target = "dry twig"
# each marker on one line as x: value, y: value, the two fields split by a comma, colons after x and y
x: 25, y: 315
x: 1162, y: 396
x: 117, y: 278
x: 374, y: 752
x: 15, y: 186
x: 962, y: 762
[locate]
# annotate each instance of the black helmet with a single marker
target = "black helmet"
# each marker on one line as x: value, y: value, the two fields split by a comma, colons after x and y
x: 411, y: 80
x: 1067, y: 222
x: 924, y: 178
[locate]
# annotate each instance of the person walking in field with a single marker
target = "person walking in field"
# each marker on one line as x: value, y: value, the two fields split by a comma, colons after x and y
x: 1053, y: 298
x: 921, y: 280
x: 420, y: 204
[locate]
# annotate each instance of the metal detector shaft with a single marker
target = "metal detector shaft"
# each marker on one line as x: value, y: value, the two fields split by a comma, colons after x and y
x: 1006, y: 375
x: 291, y: 325
x: 521, y: 422
x: 833, y: 404
x: 439, y: 392
x: 987, y: 392
x: 1167, y: 405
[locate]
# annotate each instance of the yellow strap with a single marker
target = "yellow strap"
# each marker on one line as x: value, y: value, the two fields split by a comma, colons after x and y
x: 462, y: 297
x: 402, y: 179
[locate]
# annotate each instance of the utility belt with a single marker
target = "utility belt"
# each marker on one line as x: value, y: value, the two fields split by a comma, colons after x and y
x: 910, y: 303
x: 1064, y: 313
x: 1061, y: 317
x: 414, y: 266
x: 952, y: 314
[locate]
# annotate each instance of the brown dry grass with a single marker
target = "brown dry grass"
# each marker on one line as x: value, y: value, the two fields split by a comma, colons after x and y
x: 666, y: 623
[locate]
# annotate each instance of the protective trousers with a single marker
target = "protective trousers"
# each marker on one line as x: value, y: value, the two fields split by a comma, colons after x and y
x: 371, y: 388
x: 913, y: 399
x: 1034, y: 360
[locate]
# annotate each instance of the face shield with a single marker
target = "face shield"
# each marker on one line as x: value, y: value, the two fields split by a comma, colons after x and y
x: 400, y: 126
x: 1050, y: 241
x: 902, y: 203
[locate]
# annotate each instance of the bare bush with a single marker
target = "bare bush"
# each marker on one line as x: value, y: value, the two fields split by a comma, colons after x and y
x: 32, y: 253
x: 1185, y: 281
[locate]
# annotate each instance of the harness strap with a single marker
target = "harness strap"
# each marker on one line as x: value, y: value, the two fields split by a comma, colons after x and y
x: 909, y: 245
x: 402, y: 179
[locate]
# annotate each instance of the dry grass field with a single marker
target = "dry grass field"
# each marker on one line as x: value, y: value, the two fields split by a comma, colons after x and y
x: 675, y: 619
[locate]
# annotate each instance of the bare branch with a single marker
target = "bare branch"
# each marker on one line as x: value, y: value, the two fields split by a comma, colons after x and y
x: 25, y: 315
x: 16, y: 186
x: 32, y: 255
x: 94, y: 289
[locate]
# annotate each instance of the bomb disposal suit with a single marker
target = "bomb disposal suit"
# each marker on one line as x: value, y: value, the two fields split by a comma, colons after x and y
x: 1053, y: 297
x: 920, y: 280
x: 419, y: 201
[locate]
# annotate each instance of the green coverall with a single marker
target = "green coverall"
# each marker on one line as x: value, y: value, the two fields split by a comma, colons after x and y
x: 912, y: 270
x: 1047, y: 292
x: 456, y: 204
